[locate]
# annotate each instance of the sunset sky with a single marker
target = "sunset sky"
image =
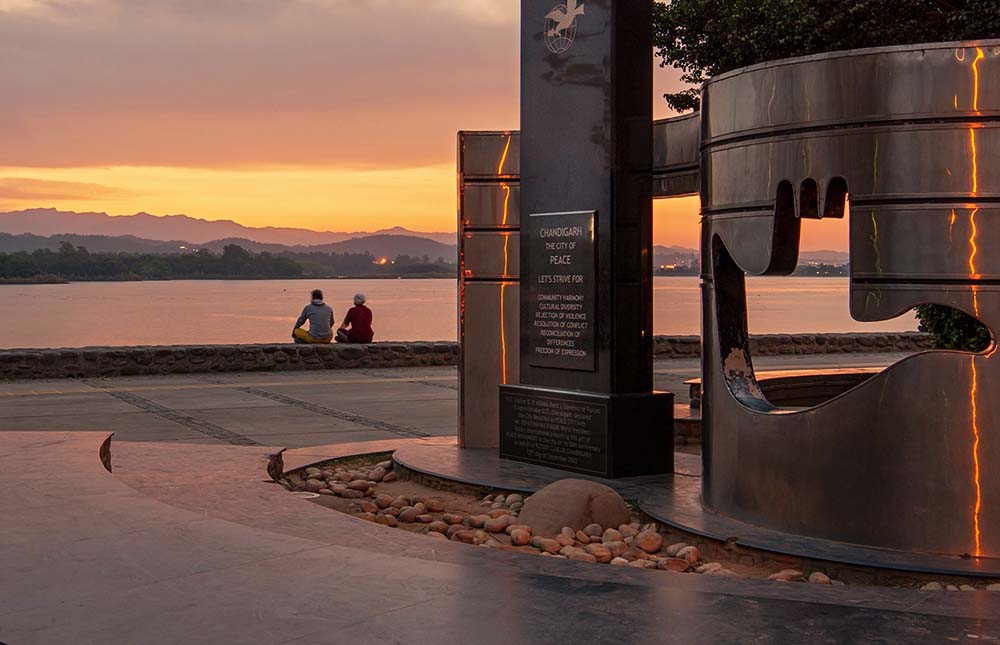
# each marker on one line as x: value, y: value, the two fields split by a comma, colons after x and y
x: 325, y: 114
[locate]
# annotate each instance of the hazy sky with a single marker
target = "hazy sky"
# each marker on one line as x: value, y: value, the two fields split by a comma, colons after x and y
x: 325, y: 114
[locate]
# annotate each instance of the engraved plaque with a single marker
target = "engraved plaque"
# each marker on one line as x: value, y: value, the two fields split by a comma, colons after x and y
x: 562, y: 302
x: 559, y: 431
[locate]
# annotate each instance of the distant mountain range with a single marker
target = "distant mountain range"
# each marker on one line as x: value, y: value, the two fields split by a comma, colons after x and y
x: 167, y: 228
x: 144, y: 233
x: 387, y: 246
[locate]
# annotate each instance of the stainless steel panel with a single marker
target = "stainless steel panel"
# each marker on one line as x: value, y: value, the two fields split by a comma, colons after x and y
x: 489, y: 358
x: 862, y: 86
x: 491, y: 205
x: 489, y: 154
x: 676, y: 143
x: 491, y: 255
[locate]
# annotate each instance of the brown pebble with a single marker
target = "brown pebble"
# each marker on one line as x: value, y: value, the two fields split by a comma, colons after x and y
x: 435, y: 534
x: 425, y: 518
x: 786, y: 575
x: 673, y: 564
x: 691, y: 554
x: 819, y: 578
x: 390, y: 477
x: 438, y: 526
x: 617, y: 548
x: 454, y: 529
x: 368, y: 517
x: 520, y: 537
x: 468, y: 536
x: 350, y: 493
x: 368, y: 507
x: 551, y: 546
x: 478, y: 521
x: 612, y: 535
x: 584, y: 557
x: 451, y: 518
x: 650, y: 541
x: 600, y: 552
x: 400, y: 502
x: 593, y: 530
x: 582, y: 537
x: 383, y: 501
x: 408, y: 514
x: 497, y: 525
x: 359, y: 484
x: 674, y: 548
x: 387, y: 520
x: 435, y: 506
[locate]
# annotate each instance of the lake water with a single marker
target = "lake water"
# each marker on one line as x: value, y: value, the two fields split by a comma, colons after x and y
x: 218, y: 311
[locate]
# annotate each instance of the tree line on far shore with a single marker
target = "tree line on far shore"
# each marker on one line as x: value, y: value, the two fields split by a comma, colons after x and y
x: 75, y: 263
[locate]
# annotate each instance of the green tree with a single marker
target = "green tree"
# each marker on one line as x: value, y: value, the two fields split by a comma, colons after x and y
x: 704, y: 38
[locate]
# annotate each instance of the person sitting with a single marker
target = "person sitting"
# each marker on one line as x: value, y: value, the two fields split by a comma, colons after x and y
x: 359, y: 319
x: 320, y: 317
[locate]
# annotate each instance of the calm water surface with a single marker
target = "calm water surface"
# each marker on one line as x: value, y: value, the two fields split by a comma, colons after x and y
x: 208, y: 312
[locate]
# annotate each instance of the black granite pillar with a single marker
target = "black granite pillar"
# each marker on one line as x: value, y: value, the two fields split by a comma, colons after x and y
x: 585, y: 401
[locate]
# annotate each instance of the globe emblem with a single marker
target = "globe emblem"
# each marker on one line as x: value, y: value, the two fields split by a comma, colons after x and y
x: 560, y: 27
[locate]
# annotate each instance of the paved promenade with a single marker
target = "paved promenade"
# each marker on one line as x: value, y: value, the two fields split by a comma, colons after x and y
x: 290, y: 409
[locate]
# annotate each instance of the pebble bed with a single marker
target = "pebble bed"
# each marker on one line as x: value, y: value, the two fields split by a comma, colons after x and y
x: 636, y: 544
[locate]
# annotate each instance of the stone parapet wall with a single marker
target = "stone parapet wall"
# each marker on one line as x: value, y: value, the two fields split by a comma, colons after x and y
x: 128, y: 361
x: 790, y: 344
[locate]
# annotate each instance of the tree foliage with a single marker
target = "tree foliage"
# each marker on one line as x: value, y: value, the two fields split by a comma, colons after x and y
x: 704, y: 38
x: 76, y: 263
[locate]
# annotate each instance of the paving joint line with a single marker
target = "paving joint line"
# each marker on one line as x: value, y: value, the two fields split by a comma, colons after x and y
x: 204, y: 427
x: 337, y: 414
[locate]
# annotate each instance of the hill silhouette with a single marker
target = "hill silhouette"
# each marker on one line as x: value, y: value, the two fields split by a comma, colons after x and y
x: 50, y: 221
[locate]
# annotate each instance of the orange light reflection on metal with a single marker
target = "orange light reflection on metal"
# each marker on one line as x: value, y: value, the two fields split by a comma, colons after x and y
x: 503, y: 285
x: 975, y: 78
x: 974, y: 275
x: 975, y: 459
x: 503, y: 157
x: 951, y: 225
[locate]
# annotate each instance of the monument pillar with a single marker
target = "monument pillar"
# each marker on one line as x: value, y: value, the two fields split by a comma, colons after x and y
x: 585, y: 402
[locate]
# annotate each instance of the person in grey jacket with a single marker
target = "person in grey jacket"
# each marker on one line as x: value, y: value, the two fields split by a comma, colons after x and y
x: 320, y: 317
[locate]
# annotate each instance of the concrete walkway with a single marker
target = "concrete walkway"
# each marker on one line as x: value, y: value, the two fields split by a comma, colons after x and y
x: 290, y: 409
x: 188, y: 544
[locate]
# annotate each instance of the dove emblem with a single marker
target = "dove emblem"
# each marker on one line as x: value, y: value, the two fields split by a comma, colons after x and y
x: 560, y: 26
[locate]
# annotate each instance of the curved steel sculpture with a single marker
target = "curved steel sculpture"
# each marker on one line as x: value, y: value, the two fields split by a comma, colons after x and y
x: 903, y: 141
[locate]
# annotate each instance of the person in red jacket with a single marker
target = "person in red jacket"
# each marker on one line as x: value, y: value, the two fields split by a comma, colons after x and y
x: 357, y: 325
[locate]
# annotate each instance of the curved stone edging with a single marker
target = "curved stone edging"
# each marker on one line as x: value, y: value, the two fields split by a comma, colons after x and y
x: 90, y: 362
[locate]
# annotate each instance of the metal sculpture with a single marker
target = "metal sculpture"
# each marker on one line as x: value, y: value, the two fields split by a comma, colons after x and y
x: 902, y: 141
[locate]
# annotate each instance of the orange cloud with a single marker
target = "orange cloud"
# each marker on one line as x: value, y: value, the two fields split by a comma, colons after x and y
x: 13, y: 189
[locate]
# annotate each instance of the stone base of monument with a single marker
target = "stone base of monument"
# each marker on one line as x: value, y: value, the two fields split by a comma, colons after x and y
x: 605, y: 435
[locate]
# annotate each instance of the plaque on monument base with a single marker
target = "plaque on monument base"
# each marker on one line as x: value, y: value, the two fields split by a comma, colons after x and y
x: 605, y: 435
